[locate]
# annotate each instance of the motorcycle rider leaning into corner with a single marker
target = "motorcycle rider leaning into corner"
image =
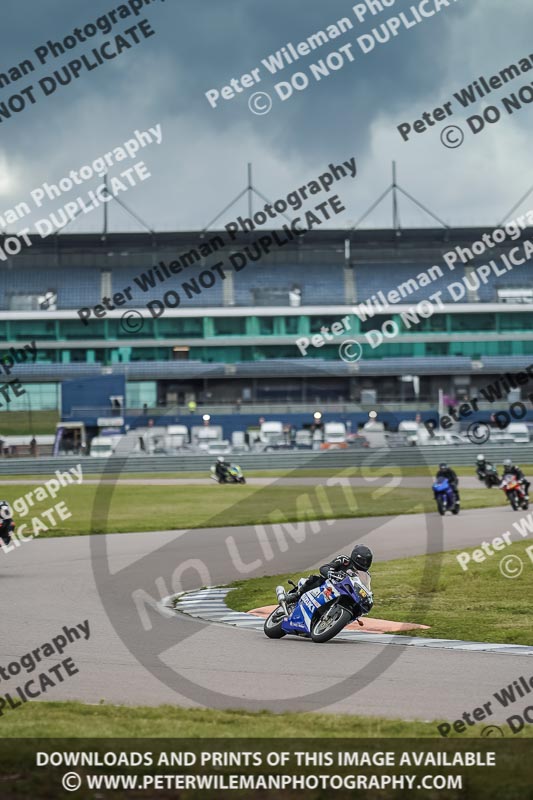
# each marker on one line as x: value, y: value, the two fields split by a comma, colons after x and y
x: 359, y: 560
x: 511, y: 469
x: 221, y: 468
x: 7, y: 526
x: 482, y: 465
x: 447, y: 472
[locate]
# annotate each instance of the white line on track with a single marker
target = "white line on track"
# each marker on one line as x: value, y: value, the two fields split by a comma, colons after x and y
x: 210, y: 605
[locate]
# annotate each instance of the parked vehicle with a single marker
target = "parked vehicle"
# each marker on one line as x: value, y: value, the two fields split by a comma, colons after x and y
x: 334, y: 436
x: 204, y: 435
x: 271, y: 433
x: 104, y: 446
x: 410, y: 429
x: 222, y: 448
x: 519, y: 432
x: 304, y: 440
x: 445, y: 496
x: 447, y: 438
x: 356, y: 440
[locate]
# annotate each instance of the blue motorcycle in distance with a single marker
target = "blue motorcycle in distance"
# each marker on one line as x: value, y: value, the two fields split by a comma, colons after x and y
x: 445, y: 496
x: 321, y: 613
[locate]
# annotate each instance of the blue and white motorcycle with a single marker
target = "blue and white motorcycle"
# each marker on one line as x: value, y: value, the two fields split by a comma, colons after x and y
x: 322, y: 613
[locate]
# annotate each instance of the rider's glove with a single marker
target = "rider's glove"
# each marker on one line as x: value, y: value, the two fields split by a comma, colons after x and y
x: 333, y: 575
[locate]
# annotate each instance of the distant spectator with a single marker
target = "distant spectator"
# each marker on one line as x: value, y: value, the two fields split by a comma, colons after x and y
x: 33, y: 447
x: 145, y: 409
x: 295, y: 297
x: 191, y: 405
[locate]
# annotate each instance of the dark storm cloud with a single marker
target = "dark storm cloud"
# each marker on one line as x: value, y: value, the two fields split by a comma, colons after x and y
x: 202, y: 45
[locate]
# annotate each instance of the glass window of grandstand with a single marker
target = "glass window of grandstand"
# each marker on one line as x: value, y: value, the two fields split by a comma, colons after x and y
x: 78, y: 356
x: 44, y: 356
x: 172, y: 327
x: 521, y: 321
x: 472, y: 322
x: 436, y: 349
x: 266, y: 326
x: 229, y: 326
x: 371, y: 324
x: 151, y: 354
x: 434, y: 324
x: 392, y: 350
x: 292, y: 325
x: 119, y: 329
x: 37, y: 301
x: 280, y: 351
x: 324, y: 322
x: 75, y: 329
x: 33, y: 329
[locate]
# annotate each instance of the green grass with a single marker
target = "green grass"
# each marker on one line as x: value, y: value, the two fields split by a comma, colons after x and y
x: 147, y: 507
x: 312, y: 472
x: 70, y: 719
x: 19, y: 423
x: 478, y: 605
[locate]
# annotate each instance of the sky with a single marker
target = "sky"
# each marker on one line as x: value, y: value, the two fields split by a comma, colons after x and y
x: 201, y: 164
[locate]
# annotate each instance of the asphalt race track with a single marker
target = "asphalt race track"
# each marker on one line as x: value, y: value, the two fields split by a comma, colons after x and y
x: 50, y: 583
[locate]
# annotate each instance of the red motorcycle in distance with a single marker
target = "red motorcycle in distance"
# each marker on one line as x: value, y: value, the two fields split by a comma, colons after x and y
x: 514, y: 492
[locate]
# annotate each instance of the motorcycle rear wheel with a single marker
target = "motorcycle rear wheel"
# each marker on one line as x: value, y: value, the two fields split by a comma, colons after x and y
x: 272, y: 626
x: 330, y: 624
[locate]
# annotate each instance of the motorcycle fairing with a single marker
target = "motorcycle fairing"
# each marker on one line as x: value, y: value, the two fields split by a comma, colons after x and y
x: 300, y: 619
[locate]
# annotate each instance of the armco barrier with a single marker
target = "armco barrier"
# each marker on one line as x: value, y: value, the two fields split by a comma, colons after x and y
x: 459, y: 455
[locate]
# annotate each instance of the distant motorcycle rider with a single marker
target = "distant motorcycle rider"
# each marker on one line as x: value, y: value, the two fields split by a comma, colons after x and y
x: 447, y: 472
x: 221, y: 468
x: 7, y: 526
x: 359, y: 560
x: 511, y: 469
x: 482, y: 466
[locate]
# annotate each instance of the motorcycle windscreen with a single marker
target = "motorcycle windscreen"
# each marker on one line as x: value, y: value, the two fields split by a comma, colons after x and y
x: 365, y: 579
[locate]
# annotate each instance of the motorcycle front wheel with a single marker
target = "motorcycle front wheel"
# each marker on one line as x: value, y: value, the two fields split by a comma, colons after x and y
x: 272, y: 626
x: 330, y: 623
x: 441, y: 505
x: 515, y: 502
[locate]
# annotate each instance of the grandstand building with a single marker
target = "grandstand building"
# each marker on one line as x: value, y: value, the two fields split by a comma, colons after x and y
x: 236, y: 338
